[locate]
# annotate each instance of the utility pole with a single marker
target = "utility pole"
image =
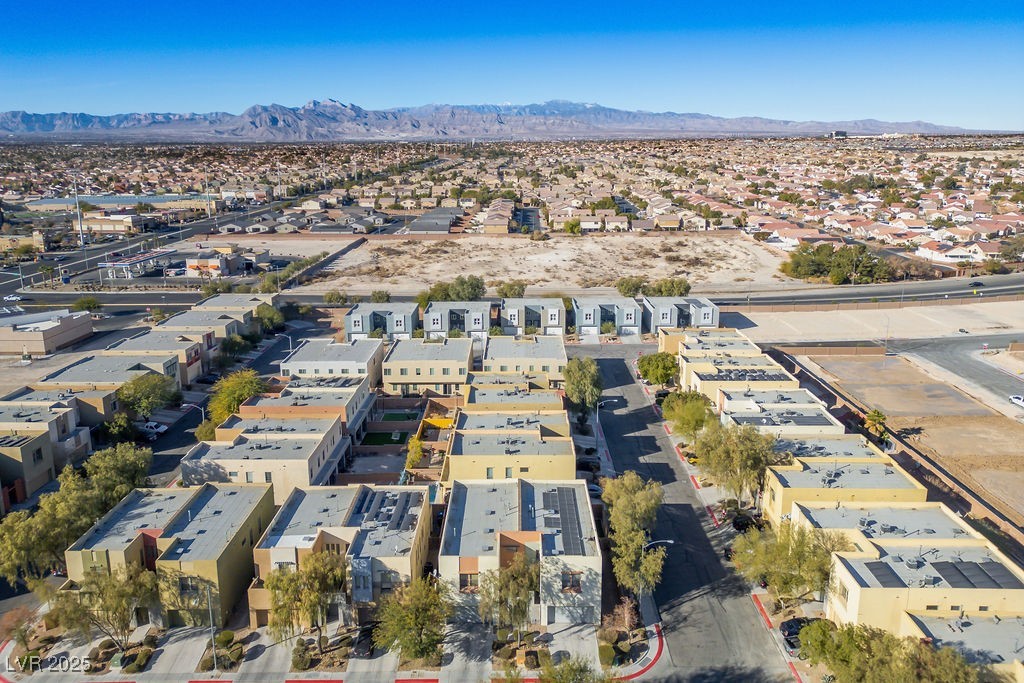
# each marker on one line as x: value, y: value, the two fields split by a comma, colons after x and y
x: 78, y: 211
x: 213, y: 641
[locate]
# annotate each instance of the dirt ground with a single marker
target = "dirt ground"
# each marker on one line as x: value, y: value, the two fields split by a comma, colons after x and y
x: 563, y: 262
x: 1011, y: 361
x: 976, y: 444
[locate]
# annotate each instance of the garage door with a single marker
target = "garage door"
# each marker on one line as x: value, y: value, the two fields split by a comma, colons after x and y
x: 574, y: 615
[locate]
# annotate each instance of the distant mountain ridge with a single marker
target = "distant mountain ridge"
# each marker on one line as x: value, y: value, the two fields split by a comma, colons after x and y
x: 330, y: 120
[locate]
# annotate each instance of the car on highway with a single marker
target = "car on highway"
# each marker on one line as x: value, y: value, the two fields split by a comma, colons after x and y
x: 12, y: 297
x: 976, y: 283
x: 1017, y: 400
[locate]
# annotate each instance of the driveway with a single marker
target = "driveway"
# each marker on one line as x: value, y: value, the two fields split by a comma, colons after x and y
x: 579, y: 640
x: 381, y: 667
x: 467, y: 654
x: 178, y: 651
x: 264, y: 657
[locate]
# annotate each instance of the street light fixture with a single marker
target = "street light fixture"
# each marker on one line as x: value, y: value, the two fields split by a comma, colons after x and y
x: 666, y: 541
x: 197, y: 407
x: 281, y: 334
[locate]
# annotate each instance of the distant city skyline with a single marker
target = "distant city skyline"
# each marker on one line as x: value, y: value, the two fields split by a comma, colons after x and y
x: 950, y: 63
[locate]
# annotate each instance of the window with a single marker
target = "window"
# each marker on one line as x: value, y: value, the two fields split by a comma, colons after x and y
x: 524, y: 470
x: 931, y: 608
x: 418, y: 372
x: 545, y: 368
x: 37, y: 456
x: 844, y: 593
x: 302, y: 371
x: 344, y: 371
x: 267, y: 478
x: 503, y: 368
x: 248, y: 477
x: 462, y: 371
x: 954, y: 608
x: 188, y: 584
x: 403, y: 372
x: 330, y: 371
x: 588, y: 317
x: 469, y: 583
x: 982, y: 608
x: 446, y: 371
x: 387, y: 372
x: 430, y: 371
x: 572, y: 582
x: 490, y: 473
x: 233, y: 475
x: 508, y: 472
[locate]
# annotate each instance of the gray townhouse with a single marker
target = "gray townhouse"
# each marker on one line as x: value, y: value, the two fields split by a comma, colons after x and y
x: 395, y: 320
x: 472, y: 318
x: 670, y: 311
x: 592, y: 313
x: 540, y: 316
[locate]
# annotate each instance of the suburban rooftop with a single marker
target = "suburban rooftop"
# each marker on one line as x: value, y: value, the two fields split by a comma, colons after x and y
x: 29, y: 416
x: 838, y: 446
x: 513, y: 396
x: 207, y: 522
x: 521, y: 442
x: 423, y: 351
x: 980, y: 639
x: 283, y: 446
x: 888, y: 522
x: 140, y: 509
x: 330, y: 351
x: 467, y: 421
x: 402, y: 307
x: 559, y: 510
x: 153, y: 340
x: 277, y: 426
x: 333, y: 397
x: 800, y: 416
x: 772, y: 396
x: 28, y: 395
x: 540, y: 347
x: 845, y: 475
x: 104, y: 369
x: 945, y: 566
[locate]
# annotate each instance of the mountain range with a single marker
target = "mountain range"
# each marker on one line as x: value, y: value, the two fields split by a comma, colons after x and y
x: 330, y: 120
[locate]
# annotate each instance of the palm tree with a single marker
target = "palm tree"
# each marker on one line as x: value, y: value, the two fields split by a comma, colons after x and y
x: 874, y: 422
x: 48, y: 272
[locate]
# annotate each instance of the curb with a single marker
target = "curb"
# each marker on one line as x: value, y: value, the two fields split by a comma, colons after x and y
x: 714, y: 517
x: 760, y: 608
x: 649, y: 665
x: 693, y: 479
x: 796, y: 675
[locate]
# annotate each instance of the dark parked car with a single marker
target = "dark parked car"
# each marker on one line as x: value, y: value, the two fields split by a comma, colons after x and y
x: 662, y: 393
x: 791, y: 627
x: 977, y: 283
x: 363, y: 644
x: 588, y: 464
x: 744, y: 523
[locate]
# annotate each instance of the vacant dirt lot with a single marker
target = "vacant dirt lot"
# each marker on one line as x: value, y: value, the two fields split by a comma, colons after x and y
x: 979, y: 446
x: 561, y: 263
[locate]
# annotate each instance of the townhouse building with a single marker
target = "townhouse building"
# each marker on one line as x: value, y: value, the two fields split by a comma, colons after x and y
x: 469, y: 318
x: 543, y: 354
x: 198, y: 541
x: 189, y: 349
x: 315, y: 358
x: 349, y: 398
x: 619, y: 315
x: 532, y: 316
x: 380, y: 533
x: 394, y: 321
x: 43, y: 333
x: 488, y: 522
x: 415, y: 366
x: 676, y: 312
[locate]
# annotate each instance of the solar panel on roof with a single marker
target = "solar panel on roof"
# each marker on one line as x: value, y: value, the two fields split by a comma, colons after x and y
x: 976, y: 575
x: 952, y: 575
x: 572, y: 535
x: 1001, y: 575
x: 885, y: 575
x: 553, y: 522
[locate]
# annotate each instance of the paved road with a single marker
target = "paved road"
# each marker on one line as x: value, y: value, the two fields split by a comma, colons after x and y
x: 712, y: 630
x: 958, y: 355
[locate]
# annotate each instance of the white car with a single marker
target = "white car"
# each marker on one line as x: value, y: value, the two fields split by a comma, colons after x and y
x: 1017, y: 400
x: 154, y: 428
x: 12, y: 297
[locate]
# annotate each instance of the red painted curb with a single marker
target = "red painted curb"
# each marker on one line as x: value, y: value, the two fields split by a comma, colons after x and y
x: 760, y: 608
x: 714, y: 518
x: 667, y: 430
x: 416, y: 680
x: 311, y: 680
x: 657, y: 656
x: 796, y: 675
x: 694, y: 480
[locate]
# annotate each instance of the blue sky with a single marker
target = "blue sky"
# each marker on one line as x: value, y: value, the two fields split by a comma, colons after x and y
x: 954, y: 63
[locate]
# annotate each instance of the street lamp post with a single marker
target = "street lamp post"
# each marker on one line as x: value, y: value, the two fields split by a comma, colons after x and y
x: 288, y: 337
x: 197, y: 407
x: 666, y: 541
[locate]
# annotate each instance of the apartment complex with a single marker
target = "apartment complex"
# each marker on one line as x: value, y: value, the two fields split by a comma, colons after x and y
x: 380, y: 532
x: 43, y: 333
x: 617, y: 315
x: 192, y: 361
x: 392, y: 320
x: 532, y: 316
x: 416, y: 366
x: 469, y: 318
x: 327, y: 358
x: 488, y: 522
x: 543, y: 354
x: 199, y: 542
x: 676, y: 312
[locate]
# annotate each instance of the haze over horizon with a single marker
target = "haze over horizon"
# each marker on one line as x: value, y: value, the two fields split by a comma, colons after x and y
x: 950, y: 63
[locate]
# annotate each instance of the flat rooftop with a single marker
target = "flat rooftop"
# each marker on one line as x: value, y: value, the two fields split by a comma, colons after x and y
x: 468, y: 421
x: 156, y: 340
x: 258, y: 447
x: 103, y: 369
x: 326, y: 398
x: 598, y: 301
x: 444, y: 306
x: 534, y: 302
x: 514, y: 397
x: 539, y: 347
x: 422, y: 351
x: 727, y: 374
x: 981, y: 640
x: 29, y: 416
x: 359, y: 351
x: 925, y: 566
x: 520, y: 443
x: 198, y: 317
x: 28, y: 395
x: 795, y: 416
x: 861, y: 475
x: 888, y: 522
x: 140, y: 509
x: 559, y: 510
x: 772, y: 396
x: 208, y: 521
x: 677, y: 300
x: 510, y: 378
x: 722, y: 345
x: 725, y: 362
x: 277, y: 426
x: 838, y: 446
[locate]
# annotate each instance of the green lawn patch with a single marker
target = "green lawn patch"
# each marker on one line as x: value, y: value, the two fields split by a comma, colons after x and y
x: 385, y: 438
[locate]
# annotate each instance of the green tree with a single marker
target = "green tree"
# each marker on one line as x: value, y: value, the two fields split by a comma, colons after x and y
x: 206, y: 430
x: 572, y: 226
x: 114, y: 472
x: 231, y: 391
x: 414, y: 453
x: 669, y: 286
x: 735, y: 457
x: 24, y: 251
x: 572, y: 671
x: 412, y: 618
x: 106, y: 603
x: 380, y: 296
x: 874, y: 422
x: 630, y: 285
x: 48, y: 272
x: 334, y: 297
x: 506, y: 594
x: 658, y: 368
x: 583, y: 383
x: 285, y: 587
x: 608, y: 327
x: 119, y: 428
x: 145, y: 394
x: 87, y: 303
x: 321, y: 578
x: 269, y: 317
x: 467, y: 288
x: 688, y: 417
x: 16, y: 625
x: 795, y: 560
x: 514, y: 289
x: 632, y: 509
